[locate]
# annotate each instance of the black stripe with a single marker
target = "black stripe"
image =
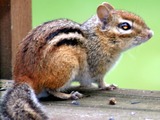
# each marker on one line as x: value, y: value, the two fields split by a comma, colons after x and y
x: 64, y: 30
x: 72, y: 42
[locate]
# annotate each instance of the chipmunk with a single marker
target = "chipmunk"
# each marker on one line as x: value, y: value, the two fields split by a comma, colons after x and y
x: 58, y: 52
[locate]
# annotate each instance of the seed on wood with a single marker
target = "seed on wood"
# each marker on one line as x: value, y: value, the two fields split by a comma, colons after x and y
x: 112, y: 101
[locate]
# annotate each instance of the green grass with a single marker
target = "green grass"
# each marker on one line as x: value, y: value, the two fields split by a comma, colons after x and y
x: 139, y: 67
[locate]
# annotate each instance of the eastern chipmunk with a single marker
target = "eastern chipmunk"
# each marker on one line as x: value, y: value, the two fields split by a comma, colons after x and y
x: 58, y: 52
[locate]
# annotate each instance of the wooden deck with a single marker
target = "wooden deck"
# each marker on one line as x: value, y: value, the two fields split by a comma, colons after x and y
x: 131, y: 105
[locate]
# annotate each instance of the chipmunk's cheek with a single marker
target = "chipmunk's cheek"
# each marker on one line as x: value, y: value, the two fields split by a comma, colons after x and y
x: 143, y: 37
x: 126, y: 45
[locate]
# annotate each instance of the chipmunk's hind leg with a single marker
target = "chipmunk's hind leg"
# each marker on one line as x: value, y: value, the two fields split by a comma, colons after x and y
x: 66, y: 64
x: 73, y: 95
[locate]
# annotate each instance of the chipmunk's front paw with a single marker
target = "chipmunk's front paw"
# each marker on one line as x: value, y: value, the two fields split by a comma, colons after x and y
x: 76, y: 95
x: 109, y: 87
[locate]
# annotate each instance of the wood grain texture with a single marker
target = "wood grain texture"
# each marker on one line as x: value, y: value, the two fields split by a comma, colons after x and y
x: 5, y: 39
x: 21, y: 22
x: 15, y: 23
x: 131, y: 105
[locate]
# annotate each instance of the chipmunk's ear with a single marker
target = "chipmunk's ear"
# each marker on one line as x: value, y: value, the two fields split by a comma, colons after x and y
x: 103, y: 11
x: 108, y: 6
x: 104, y: 15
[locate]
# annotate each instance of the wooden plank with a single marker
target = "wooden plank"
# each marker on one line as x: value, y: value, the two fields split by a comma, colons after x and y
x: 21, y: 22
x: 131, y: 105
x: 5, y: 39
x: 15, y: 22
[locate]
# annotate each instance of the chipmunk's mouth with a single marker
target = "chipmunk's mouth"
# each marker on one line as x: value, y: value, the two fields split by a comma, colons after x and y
x: 138, y: 41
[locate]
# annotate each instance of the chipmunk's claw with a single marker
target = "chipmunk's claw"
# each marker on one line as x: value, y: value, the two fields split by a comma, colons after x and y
x: 110, y: 87
x: 76, y: 95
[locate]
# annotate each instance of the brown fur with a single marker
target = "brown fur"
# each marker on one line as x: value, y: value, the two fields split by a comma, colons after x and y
x: 45, y: 71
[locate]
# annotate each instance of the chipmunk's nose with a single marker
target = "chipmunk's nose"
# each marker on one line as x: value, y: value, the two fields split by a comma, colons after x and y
x: 150, y: 34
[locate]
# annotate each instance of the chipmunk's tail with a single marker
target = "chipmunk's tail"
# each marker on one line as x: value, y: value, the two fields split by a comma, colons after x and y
x: 20, y: 103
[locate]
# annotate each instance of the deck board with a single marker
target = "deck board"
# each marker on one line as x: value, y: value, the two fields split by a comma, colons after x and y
x: 131, y: 105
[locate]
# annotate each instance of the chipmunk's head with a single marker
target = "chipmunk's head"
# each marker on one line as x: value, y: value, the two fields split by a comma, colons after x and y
x: 121, y: 29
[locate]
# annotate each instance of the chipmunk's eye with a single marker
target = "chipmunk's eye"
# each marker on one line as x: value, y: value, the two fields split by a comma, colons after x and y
x: 124, y: 26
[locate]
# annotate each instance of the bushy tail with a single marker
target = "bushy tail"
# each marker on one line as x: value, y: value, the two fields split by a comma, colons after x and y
x: 20, y: 103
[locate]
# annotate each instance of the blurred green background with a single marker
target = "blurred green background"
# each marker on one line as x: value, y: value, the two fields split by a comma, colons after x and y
x: 139, y: 68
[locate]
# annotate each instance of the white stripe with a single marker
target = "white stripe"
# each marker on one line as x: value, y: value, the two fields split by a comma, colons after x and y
x: 62, y: 36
